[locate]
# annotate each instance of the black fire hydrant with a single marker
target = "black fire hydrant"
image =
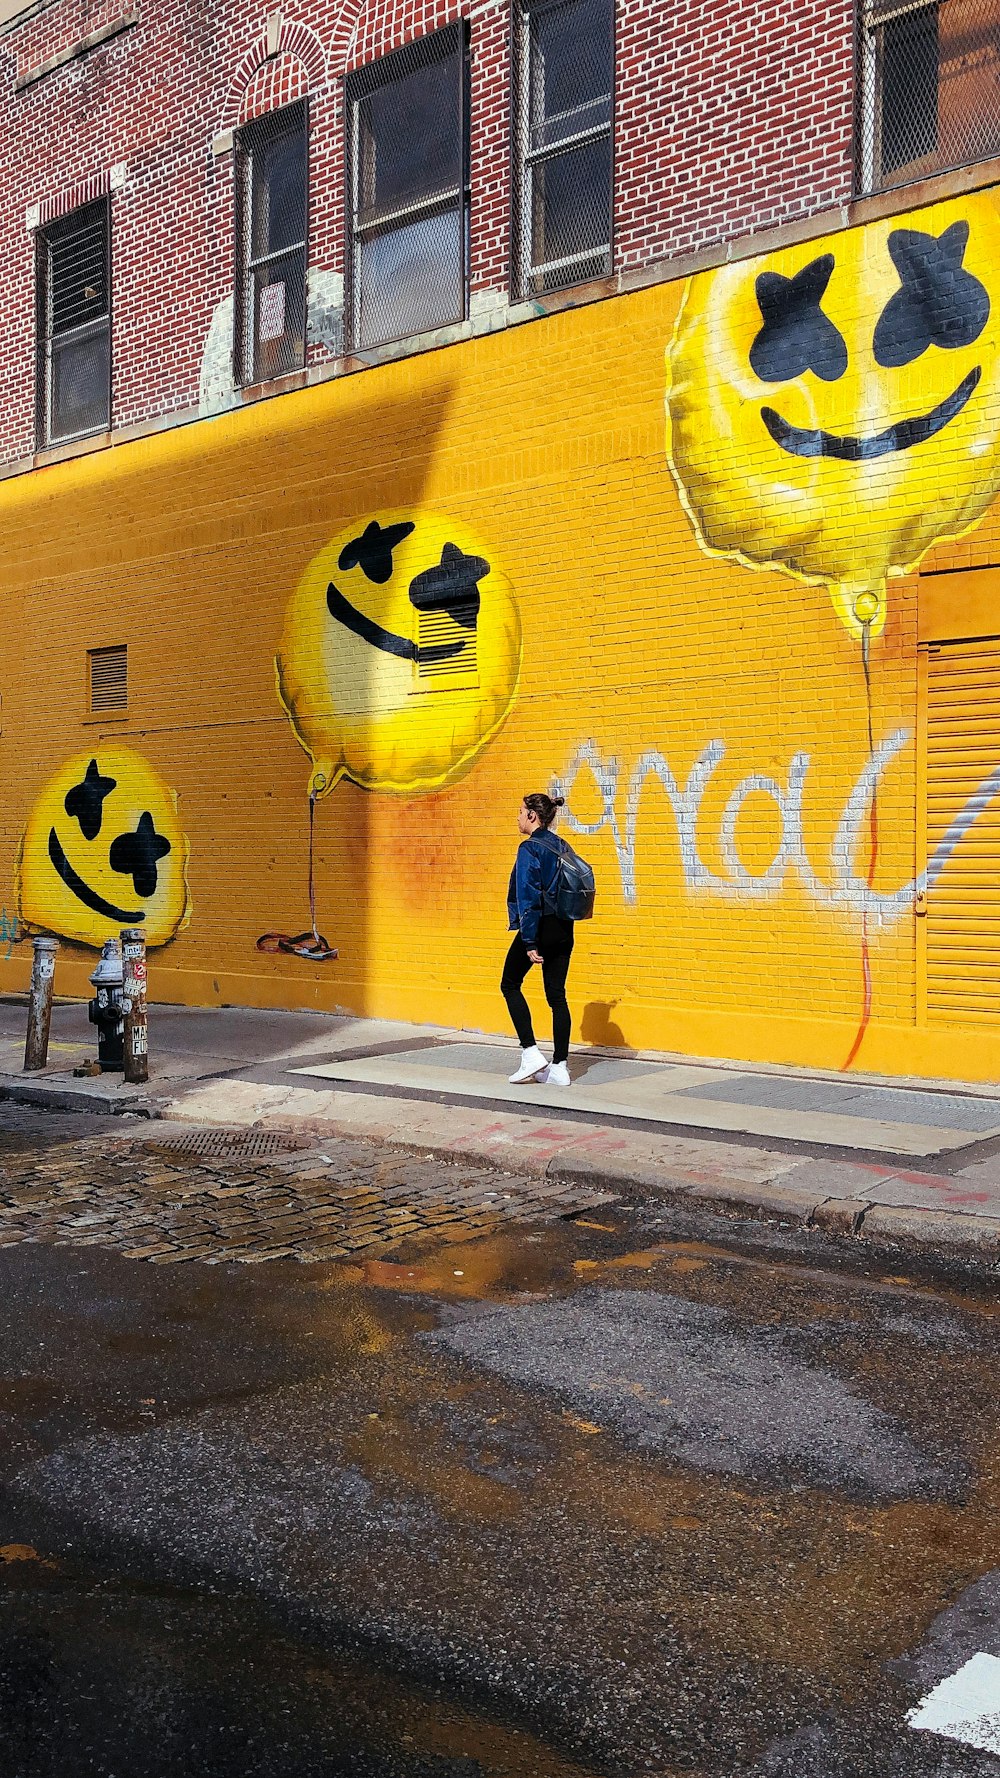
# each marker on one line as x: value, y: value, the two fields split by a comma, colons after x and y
x: 105, y: 1010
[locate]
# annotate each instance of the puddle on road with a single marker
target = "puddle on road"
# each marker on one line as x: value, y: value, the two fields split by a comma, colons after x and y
x: 107, y: 1675
x: 818, y: 1582
x: 783, y: 1576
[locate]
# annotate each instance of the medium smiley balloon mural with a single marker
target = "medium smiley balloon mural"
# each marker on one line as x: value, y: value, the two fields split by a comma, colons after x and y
x: 835, y: 409
x: 398, y: 663
x: 103, y: 848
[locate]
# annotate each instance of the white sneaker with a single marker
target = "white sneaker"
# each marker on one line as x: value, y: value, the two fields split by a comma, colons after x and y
x: 532, y: 1064
x: 557, y: 1075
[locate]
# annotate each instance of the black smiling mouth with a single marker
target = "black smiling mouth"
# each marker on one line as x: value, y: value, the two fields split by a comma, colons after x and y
x: 83, y: 891
x: 343, y: 611
x: 802, y: 441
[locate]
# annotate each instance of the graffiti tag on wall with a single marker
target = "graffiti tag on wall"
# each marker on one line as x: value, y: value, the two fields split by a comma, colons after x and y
x: 845, y: 888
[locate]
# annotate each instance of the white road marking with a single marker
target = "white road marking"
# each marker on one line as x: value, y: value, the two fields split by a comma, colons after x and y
x: 965, y: 1707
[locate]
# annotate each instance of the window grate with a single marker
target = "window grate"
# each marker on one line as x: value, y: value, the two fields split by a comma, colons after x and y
x: 408, y: 189
x: 271, y: 219
x: 74, y: 325
x: 107, y: 679
x: 563, y: 99
x: 930, y: 88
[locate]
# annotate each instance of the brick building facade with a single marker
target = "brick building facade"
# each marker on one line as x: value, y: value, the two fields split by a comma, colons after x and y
x: 728, y: 120
x: 453, y: 562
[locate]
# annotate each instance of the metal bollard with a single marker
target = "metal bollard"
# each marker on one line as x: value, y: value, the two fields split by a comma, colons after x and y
x: 134, y: 1006
x: 43, y: 969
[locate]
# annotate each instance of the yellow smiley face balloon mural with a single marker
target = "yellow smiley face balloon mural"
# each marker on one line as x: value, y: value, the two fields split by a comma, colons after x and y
x: 400, y: 653
x: 834, y: 409
x: 103, y: 849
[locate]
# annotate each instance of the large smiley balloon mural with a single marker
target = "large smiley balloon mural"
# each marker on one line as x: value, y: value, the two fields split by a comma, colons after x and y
x: 835, y: 410
x: 103, y: 848
x: 398, y: 662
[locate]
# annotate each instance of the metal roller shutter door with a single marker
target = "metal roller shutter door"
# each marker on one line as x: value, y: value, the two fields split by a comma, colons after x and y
x: 963, y: 904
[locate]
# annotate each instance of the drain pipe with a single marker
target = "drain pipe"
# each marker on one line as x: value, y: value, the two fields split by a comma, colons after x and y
x: 43, y: 969
x: 134, y: 1006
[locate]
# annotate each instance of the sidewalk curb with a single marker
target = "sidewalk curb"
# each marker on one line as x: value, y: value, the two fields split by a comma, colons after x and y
x: 827, y: 1197
x: 872, y: 1228
x: 52, y: 1097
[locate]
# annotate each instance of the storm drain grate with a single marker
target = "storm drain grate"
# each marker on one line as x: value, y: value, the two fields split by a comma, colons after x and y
x: 226, y: 1144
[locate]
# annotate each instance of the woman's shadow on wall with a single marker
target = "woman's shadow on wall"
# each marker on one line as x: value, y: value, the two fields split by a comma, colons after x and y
x: 598, y: 1027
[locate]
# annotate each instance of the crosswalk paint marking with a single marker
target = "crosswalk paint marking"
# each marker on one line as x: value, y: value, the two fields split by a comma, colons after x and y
x: 965, y: 1707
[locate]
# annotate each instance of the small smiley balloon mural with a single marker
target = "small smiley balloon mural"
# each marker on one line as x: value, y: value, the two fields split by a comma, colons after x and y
x: 398, y: 663
x: 103, y: 848
x: 834, y: 409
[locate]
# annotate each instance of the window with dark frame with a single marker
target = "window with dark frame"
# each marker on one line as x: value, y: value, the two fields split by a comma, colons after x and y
x: 271, y: 214
x: 563, y: 112
x: 74, y: 325
x: 930, y: 84
x: 408, y: 178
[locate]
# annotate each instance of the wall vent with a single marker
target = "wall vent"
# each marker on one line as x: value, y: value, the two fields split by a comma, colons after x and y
x: 107, y: 679
x: 446, y: 652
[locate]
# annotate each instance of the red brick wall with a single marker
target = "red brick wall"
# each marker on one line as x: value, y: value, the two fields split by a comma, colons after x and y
x: 732, y: 115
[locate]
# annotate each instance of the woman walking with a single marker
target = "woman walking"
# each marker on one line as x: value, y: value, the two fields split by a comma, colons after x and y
x: 540, y: 936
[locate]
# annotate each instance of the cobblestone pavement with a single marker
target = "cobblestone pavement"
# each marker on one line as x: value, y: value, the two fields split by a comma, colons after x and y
x: 250, y: 1196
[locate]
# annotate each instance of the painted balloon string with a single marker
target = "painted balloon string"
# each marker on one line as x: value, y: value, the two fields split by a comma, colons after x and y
x: 309, y: 944
x: 866, y: 964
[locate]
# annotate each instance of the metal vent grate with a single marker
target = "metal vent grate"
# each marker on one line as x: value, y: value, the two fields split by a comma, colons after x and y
x: 223, y: 1144
x: 108, y: 678
x: 439, y: 656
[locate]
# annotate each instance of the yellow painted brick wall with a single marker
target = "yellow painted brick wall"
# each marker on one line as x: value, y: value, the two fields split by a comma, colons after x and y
x: 548, y: 443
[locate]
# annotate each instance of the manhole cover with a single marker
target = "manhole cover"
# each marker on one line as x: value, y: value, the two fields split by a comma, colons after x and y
x: 222, y: 1144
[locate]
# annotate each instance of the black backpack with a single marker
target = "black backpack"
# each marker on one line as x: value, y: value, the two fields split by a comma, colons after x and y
x: 573, y: 895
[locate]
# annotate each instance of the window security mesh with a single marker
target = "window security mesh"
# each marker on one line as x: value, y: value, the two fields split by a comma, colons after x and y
x: 107, y: 676
x: 271, y: 245
x: 408, y: 189
x: 930, y: 88
x: 74, y: 325
x: 562, y: 132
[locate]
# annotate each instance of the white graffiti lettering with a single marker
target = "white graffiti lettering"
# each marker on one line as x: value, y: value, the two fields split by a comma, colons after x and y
x: 845, y: 888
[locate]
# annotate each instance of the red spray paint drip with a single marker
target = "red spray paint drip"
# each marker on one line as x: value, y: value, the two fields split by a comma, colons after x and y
x: 866, y: 962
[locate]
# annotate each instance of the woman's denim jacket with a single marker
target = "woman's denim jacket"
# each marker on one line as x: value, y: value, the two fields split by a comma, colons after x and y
x: 531, y: 890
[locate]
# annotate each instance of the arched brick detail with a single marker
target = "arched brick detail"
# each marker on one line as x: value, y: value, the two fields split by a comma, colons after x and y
x: 344, y: 36
x: 295, y: 40
x: 367, y: 29
x: 277, y: 82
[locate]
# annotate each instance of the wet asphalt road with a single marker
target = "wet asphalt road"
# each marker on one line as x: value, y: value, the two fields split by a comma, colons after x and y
x: 602, y: 1496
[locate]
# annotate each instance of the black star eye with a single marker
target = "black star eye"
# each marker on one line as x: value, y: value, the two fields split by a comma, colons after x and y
x: 372, y: 551
x: 453, y: 586
x: 938, y: 303
x: 85, y: 802
x: 796, y: 335
x: 137, y: 855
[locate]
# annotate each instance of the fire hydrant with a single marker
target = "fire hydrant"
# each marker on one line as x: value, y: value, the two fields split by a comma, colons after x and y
x: 105, y: 1010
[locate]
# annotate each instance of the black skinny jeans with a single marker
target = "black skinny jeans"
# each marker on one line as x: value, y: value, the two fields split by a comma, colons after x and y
x: 555, y: 942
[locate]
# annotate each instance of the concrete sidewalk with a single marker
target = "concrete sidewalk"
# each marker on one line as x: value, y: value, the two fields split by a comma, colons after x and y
x: 909, y: 1164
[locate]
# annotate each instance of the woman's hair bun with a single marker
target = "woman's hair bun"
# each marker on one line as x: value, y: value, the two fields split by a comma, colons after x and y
x: 544, y: 806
